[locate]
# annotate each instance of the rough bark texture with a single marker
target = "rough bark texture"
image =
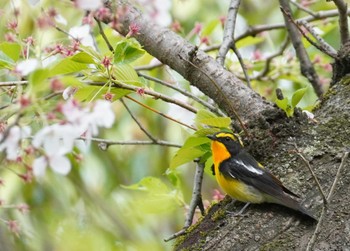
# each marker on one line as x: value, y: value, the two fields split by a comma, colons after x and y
x: 341, y: 66
x: 272, y: 227
x: 174, y: 51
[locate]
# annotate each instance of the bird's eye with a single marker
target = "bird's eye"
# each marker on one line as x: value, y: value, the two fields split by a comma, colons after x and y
x: 227, y: 139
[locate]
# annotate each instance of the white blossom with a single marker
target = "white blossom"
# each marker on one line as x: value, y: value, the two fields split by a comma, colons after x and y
x: 90, y: 5
x: 12, y: 139
x: 57, y: 140
x: 83, y: 34
x: 27, y: 66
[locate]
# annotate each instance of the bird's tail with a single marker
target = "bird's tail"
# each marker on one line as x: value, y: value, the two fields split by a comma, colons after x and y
x: 287, y: 201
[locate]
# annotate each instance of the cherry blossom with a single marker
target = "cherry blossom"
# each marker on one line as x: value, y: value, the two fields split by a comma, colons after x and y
x: 27, y: 66
x: 59, y: 139
x: 83, y: 34
x: 90, y: 5
x: 12, y: 139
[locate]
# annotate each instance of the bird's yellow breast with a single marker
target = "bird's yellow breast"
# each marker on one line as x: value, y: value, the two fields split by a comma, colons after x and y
x: 233, y: 187
x: 237, y: 189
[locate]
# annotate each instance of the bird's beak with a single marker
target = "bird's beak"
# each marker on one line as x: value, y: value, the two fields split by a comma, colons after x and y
x: 212, y: 137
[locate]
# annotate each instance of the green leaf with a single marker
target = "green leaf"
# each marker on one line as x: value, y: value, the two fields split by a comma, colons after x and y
x: 150, y: 184
x: 248, y: 41
x: 5, y: 61
x: 38, y: 80
x: 207, y: 167
x: 210, y: 119
x: 203, y: 132
x: 66, y: 66
x: 297, y: 96
x: 195, y: 141
x: 127, y: 51
x: 155, y: 196
x: 283, y: 104
x: 126, y: 74
x: 184, y: 155
x: 71, y: 81
x: 83, y: 57
x: 88, y: 92
x: 209, y: 28
x: 119, y: 93
x: 13, y: 50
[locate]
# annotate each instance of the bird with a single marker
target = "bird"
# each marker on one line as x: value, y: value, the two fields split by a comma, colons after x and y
x: 245, y: 179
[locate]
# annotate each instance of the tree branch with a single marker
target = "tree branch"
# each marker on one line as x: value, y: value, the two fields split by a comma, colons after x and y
x: 306, y: 66
x: 343, y: 20
x: 229, y: 31
x: 105, y: 143
x: 255, y: 30
x: 269, y: 59
x: 154, y: 94
x: 185, y: 93
x: 168, y: 47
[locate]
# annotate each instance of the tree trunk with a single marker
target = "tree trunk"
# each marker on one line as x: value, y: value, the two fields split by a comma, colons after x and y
x: 273, y: 227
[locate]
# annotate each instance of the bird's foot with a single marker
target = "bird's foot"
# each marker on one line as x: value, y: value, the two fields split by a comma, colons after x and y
x: 241, y: 212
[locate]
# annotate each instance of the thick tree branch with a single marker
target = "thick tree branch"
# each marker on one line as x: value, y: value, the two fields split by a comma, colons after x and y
x: 343, y: 20
x: 169, y: 48
x: 306, y: 66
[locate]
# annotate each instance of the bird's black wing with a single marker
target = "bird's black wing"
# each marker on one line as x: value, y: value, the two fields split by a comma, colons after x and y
x: 246, y: 169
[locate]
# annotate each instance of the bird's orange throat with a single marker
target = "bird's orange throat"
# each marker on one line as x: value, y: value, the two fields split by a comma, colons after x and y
x: 220, y: 152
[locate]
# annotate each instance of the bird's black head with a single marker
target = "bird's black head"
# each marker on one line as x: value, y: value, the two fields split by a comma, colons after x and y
x: 230, y: 141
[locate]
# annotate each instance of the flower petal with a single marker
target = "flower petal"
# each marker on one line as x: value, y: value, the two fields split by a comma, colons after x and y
x: 39, y: 166
x: 60, y: 164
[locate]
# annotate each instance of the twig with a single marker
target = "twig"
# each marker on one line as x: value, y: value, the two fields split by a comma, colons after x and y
x: 161, y: 114
x: 299, y: 6
x: 195, y: 201
x: 343, y: 20
x: 137, y: 121
x: 154, y: 94
x: 105, y: 143
x: 232, y: 109
x: 228, y: 40
x: 13, y: 83
x: 269, y: 59
x: 110, y: 47
x: 240, y: 60
x: 306, y: 66
x: 317, y: 230
x: 324, y: 46
x: 312, y: 240
x: 337, y: 176
x: 148, y: 67
x: 229, y: 31
x: 185, y: 93
x: 254, y: 30
x: 66, y: 33
x: 313, y: 175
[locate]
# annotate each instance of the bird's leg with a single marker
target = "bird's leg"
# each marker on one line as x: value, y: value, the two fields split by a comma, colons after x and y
x: 241, y: 212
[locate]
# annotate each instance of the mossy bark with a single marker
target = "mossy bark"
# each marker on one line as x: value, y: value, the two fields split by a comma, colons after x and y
x: 273, y: 227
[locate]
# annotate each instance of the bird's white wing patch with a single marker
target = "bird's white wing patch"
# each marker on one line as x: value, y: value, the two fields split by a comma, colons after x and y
x: 249, y: 167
